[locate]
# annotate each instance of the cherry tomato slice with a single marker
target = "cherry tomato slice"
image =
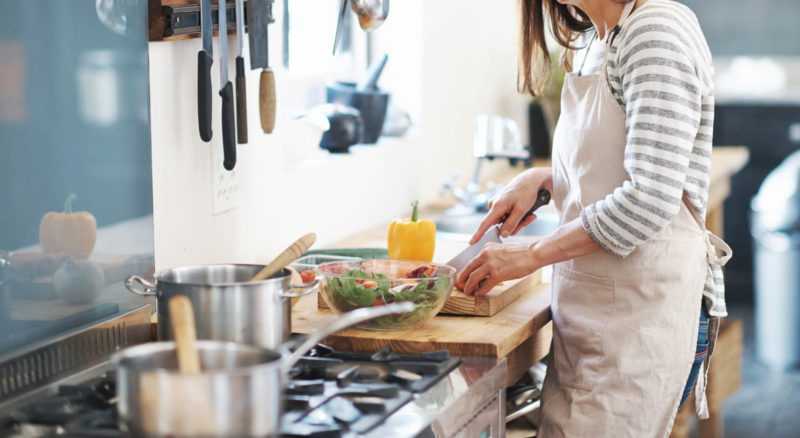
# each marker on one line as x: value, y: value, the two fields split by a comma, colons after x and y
x: 307, y: 276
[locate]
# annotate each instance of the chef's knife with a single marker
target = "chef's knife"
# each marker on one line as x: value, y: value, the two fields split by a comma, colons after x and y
x: 226, y: 91
x: 259, y: 58
x: 493, y: 234
x: 241, y: 89
x: 205, y: 58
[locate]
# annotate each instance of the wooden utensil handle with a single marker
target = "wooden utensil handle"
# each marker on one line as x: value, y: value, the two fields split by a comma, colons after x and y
x: 181, y: 316
x: 290, y: 254
x: 267, y: 100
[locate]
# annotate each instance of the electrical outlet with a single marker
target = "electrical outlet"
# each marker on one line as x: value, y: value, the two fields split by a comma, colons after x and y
x: 226, y: 192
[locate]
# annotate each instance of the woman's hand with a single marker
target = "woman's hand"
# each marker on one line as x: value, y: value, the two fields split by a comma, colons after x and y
x: 515, y: 200
x: 502, y: 261
x: 495, y: 263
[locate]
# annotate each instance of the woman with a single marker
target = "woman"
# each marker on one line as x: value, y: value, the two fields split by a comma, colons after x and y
x: 630, y: 176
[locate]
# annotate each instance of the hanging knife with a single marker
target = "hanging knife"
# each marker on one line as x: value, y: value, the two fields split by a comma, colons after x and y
x: 226, y: 91
x: 205, y: 58
x: 258, y: 21
x: 241, y: 89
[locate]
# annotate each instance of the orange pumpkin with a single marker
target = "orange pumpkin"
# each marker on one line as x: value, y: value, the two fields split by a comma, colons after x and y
x: 68, y: 232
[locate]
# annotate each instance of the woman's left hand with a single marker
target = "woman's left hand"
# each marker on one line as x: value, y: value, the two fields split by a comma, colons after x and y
x: 495, y: 263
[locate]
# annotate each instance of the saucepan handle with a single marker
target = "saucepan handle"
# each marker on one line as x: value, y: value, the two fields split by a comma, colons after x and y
x: 147, y: 288
x: 345, y: 320
x: 307, y: 288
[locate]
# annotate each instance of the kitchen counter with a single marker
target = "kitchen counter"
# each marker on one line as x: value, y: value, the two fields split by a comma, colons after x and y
x: 521, y: 332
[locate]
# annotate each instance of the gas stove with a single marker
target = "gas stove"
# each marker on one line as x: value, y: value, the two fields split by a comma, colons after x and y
x: 331, y: 394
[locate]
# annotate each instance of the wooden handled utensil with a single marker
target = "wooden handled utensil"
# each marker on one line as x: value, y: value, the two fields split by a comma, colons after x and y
x: 258, y: 19
x: 288, y: 255
x: 267, y: 100
x: 181, y: 315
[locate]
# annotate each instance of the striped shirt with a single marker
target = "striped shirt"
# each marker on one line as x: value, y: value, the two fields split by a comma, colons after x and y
x: 660, y: 71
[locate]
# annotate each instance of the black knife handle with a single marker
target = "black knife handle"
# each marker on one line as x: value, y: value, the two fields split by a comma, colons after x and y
x: 542, y: 198
x: 241, y: 102
x: 204, y: 94
x: 228, y: 127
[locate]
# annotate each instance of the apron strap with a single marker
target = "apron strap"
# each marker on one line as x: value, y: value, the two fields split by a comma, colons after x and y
x: 609, y: 39
x: 714, y: 244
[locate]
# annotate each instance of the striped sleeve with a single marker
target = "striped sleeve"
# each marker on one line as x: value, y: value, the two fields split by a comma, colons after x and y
x: 662, y: 95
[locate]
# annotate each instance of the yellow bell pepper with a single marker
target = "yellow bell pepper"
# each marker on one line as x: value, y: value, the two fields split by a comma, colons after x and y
x: 412, y: 239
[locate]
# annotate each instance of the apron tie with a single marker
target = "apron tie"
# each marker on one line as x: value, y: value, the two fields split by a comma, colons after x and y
x: 714, y: 246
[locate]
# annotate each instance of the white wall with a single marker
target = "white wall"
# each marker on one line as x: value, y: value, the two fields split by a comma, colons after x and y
x: 449, y: 60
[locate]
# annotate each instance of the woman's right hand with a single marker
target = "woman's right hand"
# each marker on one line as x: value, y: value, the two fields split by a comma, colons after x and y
x: 515, y: 199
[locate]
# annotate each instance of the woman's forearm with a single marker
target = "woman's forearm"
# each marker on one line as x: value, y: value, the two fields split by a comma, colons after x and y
x: 567, y: 242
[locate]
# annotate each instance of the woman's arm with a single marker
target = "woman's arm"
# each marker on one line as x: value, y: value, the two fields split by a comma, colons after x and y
x: 498, y: 262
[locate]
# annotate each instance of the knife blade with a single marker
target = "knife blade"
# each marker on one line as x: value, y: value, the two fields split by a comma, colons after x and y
x: 339, y: 25
x: 259, y: 58
x: 205, y: 58
x: 226, y: 91
x: 493, y: 234
x: 241, y: 83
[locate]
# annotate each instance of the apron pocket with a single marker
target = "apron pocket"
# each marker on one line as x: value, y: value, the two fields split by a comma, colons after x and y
x: 582, y: 306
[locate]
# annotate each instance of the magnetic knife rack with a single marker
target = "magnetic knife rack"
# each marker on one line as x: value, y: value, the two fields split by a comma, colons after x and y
x: 179, y: 19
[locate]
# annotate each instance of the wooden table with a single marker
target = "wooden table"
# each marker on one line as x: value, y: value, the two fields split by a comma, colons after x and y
x: 521, y: 332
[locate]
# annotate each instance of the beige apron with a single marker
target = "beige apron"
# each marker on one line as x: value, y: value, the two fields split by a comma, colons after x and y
x: 624, y: 329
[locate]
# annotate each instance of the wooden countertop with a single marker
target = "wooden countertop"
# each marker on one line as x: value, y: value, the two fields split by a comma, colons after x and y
x: 509, y: 333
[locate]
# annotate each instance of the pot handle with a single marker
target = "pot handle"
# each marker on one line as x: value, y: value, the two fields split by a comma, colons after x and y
x: 307, y: 288
x: 149, y: 289
x: 347, y: 320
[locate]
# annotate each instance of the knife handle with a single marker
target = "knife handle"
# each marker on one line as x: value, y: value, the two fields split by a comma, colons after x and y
x: 266, y: 100
x: 542, y: 198
x: 228, y: 127
x: 241, y: 102
x: 204, y: 94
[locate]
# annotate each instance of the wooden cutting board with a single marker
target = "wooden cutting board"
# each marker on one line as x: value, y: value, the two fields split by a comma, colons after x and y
x: 459, y: 303
x: 497, y: 335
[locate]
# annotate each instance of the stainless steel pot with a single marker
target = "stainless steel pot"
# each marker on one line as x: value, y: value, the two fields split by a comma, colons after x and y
x: 238, y: 393
x: 227, y: 306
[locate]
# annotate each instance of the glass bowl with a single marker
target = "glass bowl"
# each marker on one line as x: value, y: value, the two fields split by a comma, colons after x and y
x: 349, y: 285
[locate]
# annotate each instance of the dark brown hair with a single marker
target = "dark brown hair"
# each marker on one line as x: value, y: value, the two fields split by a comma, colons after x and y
x: 566, y: 23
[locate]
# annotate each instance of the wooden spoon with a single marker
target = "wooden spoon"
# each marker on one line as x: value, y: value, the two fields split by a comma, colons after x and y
x: 198, y: 415
x: 183, y: 330
x: 288, y: 255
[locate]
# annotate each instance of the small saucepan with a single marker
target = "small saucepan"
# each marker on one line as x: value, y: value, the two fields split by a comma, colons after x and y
x: 237, y: 393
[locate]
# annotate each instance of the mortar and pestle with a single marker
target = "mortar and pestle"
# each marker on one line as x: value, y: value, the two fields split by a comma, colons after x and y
x: 366, y: 97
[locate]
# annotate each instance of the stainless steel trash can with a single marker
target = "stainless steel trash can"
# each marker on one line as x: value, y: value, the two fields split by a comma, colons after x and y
x: 775, y: 227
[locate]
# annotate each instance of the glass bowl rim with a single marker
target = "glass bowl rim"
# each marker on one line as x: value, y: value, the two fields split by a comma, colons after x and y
x: 450, y: 271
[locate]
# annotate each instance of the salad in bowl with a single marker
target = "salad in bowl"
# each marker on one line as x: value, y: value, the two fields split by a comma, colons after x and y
x: 349, y: 285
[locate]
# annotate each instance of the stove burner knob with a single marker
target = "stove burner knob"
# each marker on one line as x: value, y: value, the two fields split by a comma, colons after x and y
x: 345, y: 378
x: 437, y: 356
